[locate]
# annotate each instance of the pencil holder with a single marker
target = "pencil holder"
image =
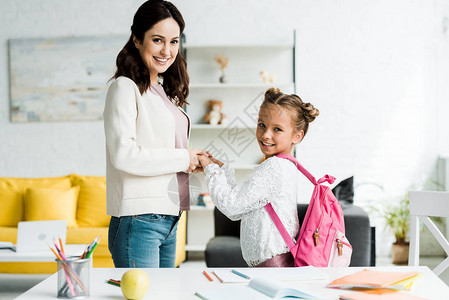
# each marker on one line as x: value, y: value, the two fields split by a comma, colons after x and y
x: 73, y: 277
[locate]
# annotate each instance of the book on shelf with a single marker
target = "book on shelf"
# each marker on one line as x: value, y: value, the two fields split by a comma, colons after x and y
x: 370, y: 279
x: 258, y: 288
x: 279, y: 274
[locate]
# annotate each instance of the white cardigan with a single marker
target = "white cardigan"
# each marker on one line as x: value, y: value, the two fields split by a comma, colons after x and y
x: 141, y: 158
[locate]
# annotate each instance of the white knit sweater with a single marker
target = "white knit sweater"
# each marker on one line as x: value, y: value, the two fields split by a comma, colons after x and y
x: 275, y: 181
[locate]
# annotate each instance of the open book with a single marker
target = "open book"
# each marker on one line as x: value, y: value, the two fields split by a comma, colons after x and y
x: 258, y: 288
x: 369, y: 279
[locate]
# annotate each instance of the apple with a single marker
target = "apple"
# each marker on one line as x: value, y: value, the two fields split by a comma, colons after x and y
x: 135, y: 284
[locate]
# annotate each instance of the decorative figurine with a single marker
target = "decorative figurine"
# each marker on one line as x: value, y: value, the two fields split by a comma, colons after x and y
x: 214, y: 116
x: 267, y: 77
x: 222, y: 61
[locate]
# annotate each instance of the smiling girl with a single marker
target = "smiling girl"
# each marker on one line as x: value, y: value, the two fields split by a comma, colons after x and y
x: 283, y: 122
x: 147, y: 132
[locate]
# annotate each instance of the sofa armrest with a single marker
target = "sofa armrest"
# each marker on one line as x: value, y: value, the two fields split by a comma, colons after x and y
x: 224, y: 252
x: 358, y: 232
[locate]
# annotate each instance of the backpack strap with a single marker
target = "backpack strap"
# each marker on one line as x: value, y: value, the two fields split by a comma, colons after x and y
x: 330, y: 179
x: 280, y: 226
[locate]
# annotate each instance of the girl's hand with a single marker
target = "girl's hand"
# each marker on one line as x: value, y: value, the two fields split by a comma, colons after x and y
x: 214, y: 160
x: 204, y: 160
x: 194, y: 163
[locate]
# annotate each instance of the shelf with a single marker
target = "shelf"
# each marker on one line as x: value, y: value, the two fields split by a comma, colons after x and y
x: 208, y: 126
x: 200, y: 208
x: 195, y: 247
x: 238, y: 46
x: 239, y: 85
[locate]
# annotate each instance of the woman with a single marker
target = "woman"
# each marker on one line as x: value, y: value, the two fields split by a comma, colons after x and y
x: 148, y: 160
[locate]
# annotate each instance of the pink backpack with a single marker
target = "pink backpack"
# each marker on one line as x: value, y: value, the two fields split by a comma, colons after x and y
x: 321, y: 241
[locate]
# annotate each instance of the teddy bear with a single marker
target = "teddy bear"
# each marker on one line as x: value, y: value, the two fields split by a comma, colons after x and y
x: 214, y: 116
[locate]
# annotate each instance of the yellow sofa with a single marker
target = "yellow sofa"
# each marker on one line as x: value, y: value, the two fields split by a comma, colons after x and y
x: 80, y: 200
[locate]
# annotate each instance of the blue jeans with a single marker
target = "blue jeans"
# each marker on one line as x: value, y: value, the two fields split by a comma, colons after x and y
x: 143, y: 241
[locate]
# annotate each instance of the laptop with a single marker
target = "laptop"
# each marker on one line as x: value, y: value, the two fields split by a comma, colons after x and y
x: 34, y: 236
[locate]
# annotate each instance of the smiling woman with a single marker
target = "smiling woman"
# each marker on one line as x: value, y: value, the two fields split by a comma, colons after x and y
x: 147, y: 132
x: 159, y: 47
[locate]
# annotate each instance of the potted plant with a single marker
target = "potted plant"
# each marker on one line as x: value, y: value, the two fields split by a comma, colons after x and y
x: 397, y: 217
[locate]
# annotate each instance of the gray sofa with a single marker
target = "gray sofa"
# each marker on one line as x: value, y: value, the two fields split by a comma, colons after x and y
x: 224, y: 250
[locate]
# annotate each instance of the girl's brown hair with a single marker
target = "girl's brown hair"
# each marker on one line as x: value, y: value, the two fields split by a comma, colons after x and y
x: 302, y: 113
x: 130, y: 64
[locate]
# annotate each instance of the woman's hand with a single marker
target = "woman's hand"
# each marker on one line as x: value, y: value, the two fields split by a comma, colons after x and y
x: 194, y: 163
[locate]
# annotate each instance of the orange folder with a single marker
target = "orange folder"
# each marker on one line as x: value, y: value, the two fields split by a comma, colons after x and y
x: 369, y: 279
x: 390, y: 296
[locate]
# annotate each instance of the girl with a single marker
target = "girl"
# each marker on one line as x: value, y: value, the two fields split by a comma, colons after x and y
x: 283, y: 122
x: 146, y: 141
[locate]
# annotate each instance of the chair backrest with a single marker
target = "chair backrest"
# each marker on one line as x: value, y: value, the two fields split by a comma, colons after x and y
x: 425, y: 204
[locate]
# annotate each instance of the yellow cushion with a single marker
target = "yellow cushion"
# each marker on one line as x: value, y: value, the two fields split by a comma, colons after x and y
x: 91, y: 208
x: 11, y: 212
x: 11, y: 195
x: 51, y: 204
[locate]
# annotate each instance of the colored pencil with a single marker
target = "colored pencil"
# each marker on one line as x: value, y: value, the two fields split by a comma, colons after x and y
x: 62, y: 247
x: 69, y: 282
x: 73, y: 274
x: 95, y: 243
x: 113, y: 282
x: 208, y: 276
x: 240, y: 274
x: 53, y: 250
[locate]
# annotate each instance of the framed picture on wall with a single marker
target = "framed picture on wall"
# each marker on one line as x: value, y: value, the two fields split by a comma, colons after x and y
x: 61, y: 79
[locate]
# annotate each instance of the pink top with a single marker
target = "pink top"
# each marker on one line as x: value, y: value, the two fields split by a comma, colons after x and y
x: 181, y: 138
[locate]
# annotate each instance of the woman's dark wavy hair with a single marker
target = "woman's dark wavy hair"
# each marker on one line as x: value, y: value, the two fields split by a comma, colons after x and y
x: 130, y: 64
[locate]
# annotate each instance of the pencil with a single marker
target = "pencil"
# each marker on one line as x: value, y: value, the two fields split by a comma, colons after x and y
x: 113, y: 282
x: 240, y: 274
x: 64, y: 267
x: 91, y: 250
x: 208, y: 276
x: 62, y: 247
x: 84, y: 253
x: 53, y: 250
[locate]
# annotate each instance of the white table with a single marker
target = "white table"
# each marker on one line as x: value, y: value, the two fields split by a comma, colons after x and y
x: 183, y: 283
x: 7, y: 255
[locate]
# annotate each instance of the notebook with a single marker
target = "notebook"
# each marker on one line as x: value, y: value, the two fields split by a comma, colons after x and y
x: 371, y: 279
x: 32, y: 236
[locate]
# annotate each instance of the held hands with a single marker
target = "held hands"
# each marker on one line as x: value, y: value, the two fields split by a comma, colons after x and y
x: 194, y: 163
x: 206, y: 159
x: 199, y: 159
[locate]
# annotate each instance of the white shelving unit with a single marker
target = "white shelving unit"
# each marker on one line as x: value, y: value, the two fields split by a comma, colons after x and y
x: 200, y: 227
x: 241, y: 95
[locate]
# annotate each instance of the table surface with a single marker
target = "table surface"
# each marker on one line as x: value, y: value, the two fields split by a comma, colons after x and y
x: 182, y: 283
x: 7, y: 255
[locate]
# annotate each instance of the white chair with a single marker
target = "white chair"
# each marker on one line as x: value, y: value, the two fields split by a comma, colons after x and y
x: 422, y: 205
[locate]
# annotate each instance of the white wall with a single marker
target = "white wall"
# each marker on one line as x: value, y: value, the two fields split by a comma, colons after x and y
x: 377, y: 70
